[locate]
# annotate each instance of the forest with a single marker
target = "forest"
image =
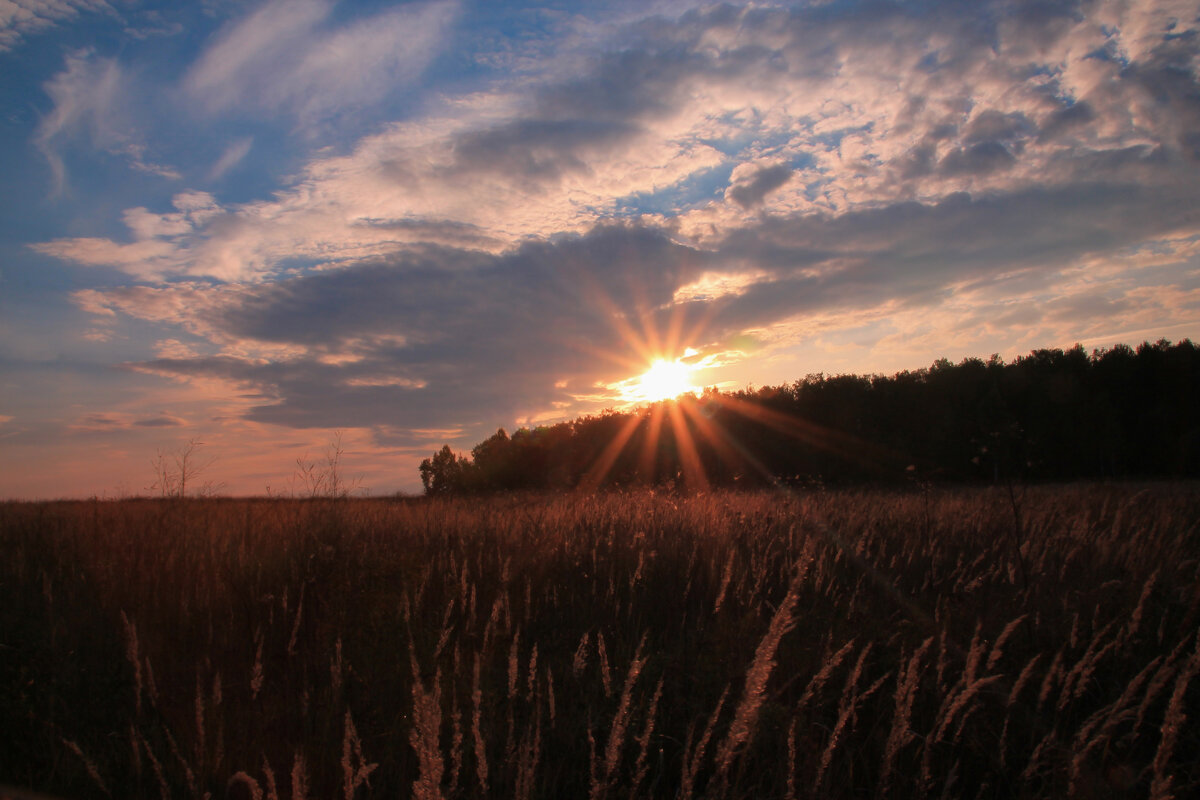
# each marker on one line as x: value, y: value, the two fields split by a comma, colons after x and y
x: 1053, y: 415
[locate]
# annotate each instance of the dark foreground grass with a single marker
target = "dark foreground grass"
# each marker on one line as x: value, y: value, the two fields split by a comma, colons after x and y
x: 837, y: 644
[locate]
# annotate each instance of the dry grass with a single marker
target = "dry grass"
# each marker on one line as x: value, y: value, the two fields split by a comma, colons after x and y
x: 835, y: 644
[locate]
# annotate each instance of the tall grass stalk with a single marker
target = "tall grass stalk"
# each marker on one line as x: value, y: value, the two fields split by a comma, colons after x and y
x: 181, y: 643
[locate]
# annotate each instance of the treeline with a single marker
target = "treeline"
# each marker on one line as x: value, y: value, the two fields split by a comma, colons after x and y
x: 1052, y: 415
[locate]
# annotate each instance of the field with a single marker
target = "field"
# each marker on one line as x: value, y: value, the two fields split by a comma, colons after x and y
x: 922, y: 643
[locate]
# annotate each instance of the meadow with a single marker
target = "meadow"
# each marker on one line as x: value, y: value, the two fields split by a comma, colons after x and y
x: 923, y: 642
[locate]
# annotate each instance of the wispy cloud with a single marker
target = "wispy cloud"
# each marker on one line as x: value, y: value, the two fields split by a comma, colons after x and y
x: 114, y: 421
x: 289, y: 56
x: 231, y: 157
x: 84, y: 95
x: 90, y: 98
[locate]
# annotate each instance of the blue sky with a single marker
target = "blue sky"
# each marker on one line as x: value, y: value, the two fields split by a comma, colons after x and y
x: 254, y: 225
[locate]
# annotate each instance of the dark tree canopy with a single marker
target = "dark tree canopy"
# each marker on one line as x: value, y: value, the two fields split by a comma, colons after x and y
x: 445, y: 473
x: 1051, y: 415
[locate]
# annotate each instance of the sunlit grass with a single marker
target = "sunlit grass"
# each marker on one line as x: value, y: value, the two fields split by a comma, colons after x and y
x: 831, y: 644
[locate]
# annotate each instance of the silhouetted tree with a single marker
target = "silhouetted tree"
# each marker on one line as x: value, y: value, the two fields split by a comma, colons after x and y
x: 493, y: 459
x: 445, y: 473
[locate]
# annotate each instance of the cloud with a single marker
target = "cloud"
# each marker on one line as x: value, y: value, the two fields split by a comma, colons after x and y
x: 19, y: 19
x: 925, y: 107
x: 978, y: 159
x: 115, y: 421
x: 84, y: 95
x: 431, y: 337
x: 237, y: 67
x: 161, y: 242
x: 908, y: 176
x: 1065, y: 119
x: 990, y: 125
x: 441, y: 336
x: 90, y: 97
x: 160, y: 421
x: 151, y: 259
x: 917, y: 253
x: 231, y: 157
x: 763, y: 180
x: 287, y: 56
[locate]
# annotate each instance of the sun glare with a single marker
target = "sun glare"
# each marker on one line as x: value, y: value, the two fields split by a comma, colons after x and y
x: 665, y: 380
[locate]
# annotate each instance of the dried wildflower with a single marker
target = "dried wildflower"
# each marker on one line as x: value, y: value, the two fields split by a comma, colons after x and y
x: 355, y: 769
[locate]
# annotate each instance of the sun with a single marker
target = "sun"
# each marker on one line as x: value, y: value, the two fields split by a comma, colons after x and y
x: 664, y: 380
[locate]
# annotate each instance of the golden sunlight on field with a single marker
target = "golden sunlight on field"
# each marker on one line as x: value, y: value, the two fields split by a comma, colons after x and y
x: 919, y: 643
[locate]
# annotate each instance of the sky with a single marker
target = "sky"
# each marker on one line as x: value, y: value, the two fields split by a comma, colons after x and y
x: 265, y: 227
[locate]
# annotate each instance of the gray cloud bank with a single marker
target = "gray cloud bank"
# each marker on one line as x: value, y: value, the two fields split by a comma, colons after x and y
x: 505, y: 333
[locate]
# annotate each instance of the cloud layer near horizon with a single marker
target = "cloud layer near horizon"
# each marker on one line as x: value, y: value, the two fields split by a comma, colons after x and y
x: 774, y: 187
